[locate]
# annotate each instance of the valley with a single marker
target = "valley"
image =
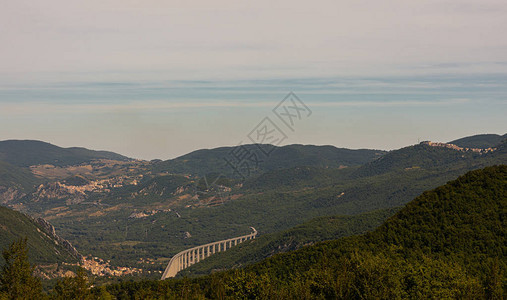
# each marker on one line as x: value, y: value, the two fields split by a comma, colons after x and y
x: 129, y: 217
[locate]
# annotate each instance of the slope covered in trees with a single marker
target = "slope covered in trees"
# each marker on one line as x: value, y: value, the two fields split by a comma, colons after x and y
x: 447, y: 243
x: 15, y: 177
x: 42, y: 247
x: 26, y: 153
x: 205, y: 161
x: 480, y: 141
x: 273, y: 201
x: 308, y: 233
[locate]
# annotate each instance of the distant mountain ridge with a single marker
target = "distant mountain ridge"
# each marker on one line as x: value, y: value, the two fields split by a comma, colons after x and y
x: 25, y: 153
x: 205, y: 161
x: 480, y: 141
x: 425, y: 156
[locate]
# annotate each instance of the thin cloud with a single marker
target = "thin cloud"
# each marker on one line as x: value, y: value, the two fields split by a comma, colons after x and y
x: 157, y: 106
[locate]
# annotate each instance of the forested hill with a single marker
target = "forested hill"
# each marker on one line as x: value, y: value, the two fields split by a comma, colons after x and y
x: 212, y: 160
x: 308, y: 233
x: 26, y: 153
x: 43, y: 247
x: 456, y: 233
x: 480, y: 141
x: 15, y: 177
x: 447, y: 243
x: 423, y: 156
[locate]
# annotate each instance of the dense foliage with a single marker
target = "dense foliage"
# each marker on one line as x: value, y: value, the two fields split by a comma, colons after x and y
x: 43, y: 249
x: 308, y: 233
x: 206, y: 161
x: 17, y: 279
x: 447, y: 243
x: 15, y: 177
x: 480, y: 141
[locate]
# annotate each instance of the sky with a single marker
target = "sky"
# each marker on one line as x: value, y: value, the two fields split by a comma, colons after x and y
x: 157, y: 79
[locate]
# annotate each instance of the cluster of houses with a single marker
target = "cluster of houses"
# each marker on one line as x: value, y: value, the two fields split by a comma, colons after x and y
x: 457, y: 148
x: 99, y: 267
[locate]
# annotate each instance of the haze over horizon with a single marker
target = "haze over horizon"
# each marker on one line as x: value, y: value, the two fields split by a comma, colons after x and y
x: 160, y: 79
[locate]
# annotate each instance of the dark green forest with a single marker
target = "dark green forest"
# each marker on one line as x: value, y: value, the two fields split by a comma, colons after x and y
x: 43, y: 249
x: 481, y: 141
x: 308, y: 233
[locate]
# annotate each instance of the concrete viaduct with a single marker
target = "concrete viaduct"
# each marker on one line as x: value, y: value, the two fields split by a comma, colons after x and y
x: 186, y: 258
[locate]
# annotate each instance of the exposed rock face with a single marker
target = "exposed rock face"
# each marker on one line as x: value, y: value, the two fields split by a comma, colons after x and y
x: 147, y: 213
x: 180, y: 190
x: 59, y: 191
x: 8, y: 194
x: 77, y: 189
x: 50, y: 230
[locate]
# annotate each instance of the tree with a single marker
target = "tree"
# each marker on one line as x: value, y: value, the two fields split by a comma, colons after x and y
x: 77, y: 287
x: 16, y: 278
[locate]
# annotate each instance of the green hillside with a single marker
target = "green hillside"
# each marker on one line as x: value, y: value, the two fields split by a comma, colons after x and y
x: 297, y: 178
x: 447, y: 243
x: 412, y: 157
x: 150, y: 190
x: 308, y: 233
x: 15, y: 177
x: 464, y: 219
x: 270, y: 202
x: 423, y: 156
x: 42, y: 248
x: 26, y: 153
x: 205, y: 161
x: 480, y: 141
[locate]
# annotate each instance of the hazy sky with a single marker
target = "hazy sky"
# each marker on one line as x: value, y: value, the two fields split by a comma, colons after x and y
x: 157, y: 79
